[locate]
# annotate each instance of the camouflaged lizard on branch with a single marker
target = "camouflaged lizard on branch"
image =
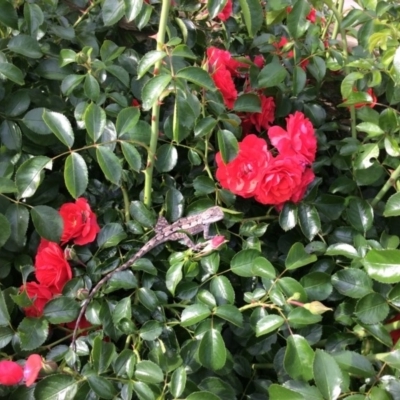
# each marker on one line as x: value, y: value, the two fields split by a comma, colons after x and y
x: 179, y: 230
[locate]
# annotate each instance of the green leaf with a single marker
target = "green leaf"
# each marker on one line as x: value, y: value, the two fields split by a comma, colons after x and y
x: 75, y: 174
x: 253, y: 15
x: 33, y: 17
x: 6, y: 335
x: 277, y: 392
x: 120, y: 73
x: 248, y: 102
x: 109, y: 164
x: 148, y: 372
x: 7, y: 185
x: 366, y: 153
x: 70, y: 82
x: 166, y: 158
x: 148, y: 298
x: 370, y: 128
x: 4, y: 314
x: 288, y: 216
x: 299, y: 357
x: 61, y: 309
x: 194, y: 313
x: 317, y: 285
x: 360, y: 214
x: 56, y: 387
x: 392, y: 206
x: 342, y: 249
x: 268, y: 324
x: 5, y: 233
x: 33, y: 332
x: 212, y: 351
x: 198, y: 76
x: 132, y: 9
x: 354, y: 363
x: 91, y: 87
x: 298, y: 257
x: 310, y: 223
x: 242, y: 262
x: 263, y: 268
x: 121, y: 280
x: 296, y: 20
x: 272, y: 74
x: 60, y: 126
x: 25, y: 45
x: 102, y: 387
x: 348, y: 83
x: 16, y: 104
x: 132, y: 156
x: 228, y: 145
x: 327, y: 375
x: 202, y: 396
x: 103, y: 354
x: 95, y: 121
x: 222, y: 290
x: 110, y: 51
x: 10, y: 135
x: 353, y: 283
x: 183, y: 51
x: 112, y: 11
x: 111, y: 235
x: 8, y: 15
x: 229, y: 313
x: 153, y: 89
x: 142, y: 214
x: 173, y: 277
x: 30, y: 174
x: 143, y: 391
x: 148, y: 60
x: 392, y: 358
x: 48, y: 222
x: 151, y: 330
x: 18, y: 218
x: 33, y: 119
x: 127, y: 118
x: 12, y: 73
x: 372, y: 308
x: 383, y: 265
x: 178, y: 382
x: 214, y: 7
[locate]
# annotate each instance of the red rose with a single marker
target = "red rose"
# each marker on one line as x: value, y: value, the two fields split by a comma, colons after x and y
x: 312, y: 15
x: 303, y: 63
x: 52, y: 269
x: 259, y: 61
x: 32, y: 368
x: 298, y: 139
x: 242, y: 174
x: 395, y: 334
x: 264, y: 119
x: 40, y: 295
x: 80, y: 222
x: 218, y: 58
x: 226, y: 11
x: 282, y: 43
x: 224, y: 82
x: 280, y: 180
x: 11, y: 373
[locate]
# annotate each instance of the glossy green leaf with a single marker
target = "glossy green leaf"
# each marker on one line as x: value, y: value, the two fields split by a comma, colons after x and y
x: 8, y: 15
x: 222, y: 290
x: 253, y: 15
x: 30, y: 174
x: 132, y: 9
x: 10, y: 135
x: 392, y: 206
x: 263, y: 268
x: 372, y: 308
x: 148, y: 299
x: 5, y: 232
x: 95, y: 121
x: 198, y: 76
x: 61, y: 309
x: 12, y: 73
x: 33, y: 16
x: 317, y: 285
x: 25, y: 45
x: 241, y: 263
x: 33, y: 332
x: 102, y: 355
x: 248, y: 102
x: 354, y: 363
x: 272, y: 74
x: 228, y: 145
x: 153, y: 89
x: 151, y: 330
x: 109, y: 164
x: 102, y: 386
x: 55, y: 387
x: 299, y: 357
x: 268, y: 324
x: 132, y: 156
x: 173, y: 277
x: 278, y: 392
x: 296, y: 20
x: 327, y: 375
x: 142, y: 214
x: 4, y: 314
x: 166, y: 158
x: 60, y: 126
x: 212, y: 351
x: 205, y: 395
x: 70, y: 82
x: 193, y: 314
x: 148, y: 60
x: 18, y: 219
x: 229, y: 313
x: 48, y: 222
x: 143, y: 391
x: 148, y: 372
x: 204, y: 126
x: 298, y: 257
x: 75, y: 174
x: 383, y: 265
x: 367, y: 153
x: 342, y: 249
x: 360, y: 214
x: 112, y: 11
x: 91, y: 87
x: 310, y: 223
x: 178, y: 382
x: 127, y: 119
x: 353, y: 283
x: 110, y: 235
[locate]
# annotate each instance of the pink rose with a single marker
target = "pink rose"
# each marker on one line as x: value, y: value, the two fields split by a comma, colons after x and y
x: 226, y: 11
x: 11, y: 373
x: 40, y: 296
x: 32, y: 368
x: 242, y: 174
x: 298, y: 139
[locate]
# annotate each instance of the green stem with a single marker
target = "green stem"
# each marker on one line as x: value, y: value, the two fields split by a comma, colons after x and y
x: 125, y: 196
x: 155, y: 113
x: 389, y: 183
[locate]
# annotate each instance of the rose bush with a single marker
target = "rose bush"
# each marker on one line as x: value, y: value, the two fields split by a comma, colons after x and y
x: 283, y: 113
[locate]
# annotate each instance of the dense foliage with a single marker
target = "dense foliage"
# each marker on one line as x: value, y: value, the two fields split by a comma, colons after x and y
x: 113, y: 112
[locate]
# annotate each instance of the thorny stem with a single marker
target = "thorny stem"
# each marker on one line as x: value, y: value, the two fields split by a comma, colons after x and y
x: 155, y: 113
x: 389, y: 183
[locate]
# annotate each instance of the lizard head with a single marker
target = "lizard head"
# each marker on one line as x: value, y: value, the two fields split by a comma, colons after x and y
x: 213, y: 214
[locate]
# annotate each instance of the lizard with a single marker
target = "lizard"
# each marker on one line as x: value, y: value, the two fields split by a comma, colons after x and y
x: 177, y: 231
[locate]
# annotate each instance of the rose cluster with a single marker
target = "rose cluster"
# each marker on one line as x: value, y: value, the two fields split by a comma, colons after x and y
x: 13, y: 373
x: 272, y: 178
x: 52, y: 269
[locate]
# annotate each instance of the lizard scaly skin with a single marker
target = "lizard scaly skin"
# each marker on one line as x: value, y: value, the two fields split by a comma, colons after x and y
x: 192, y: 225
